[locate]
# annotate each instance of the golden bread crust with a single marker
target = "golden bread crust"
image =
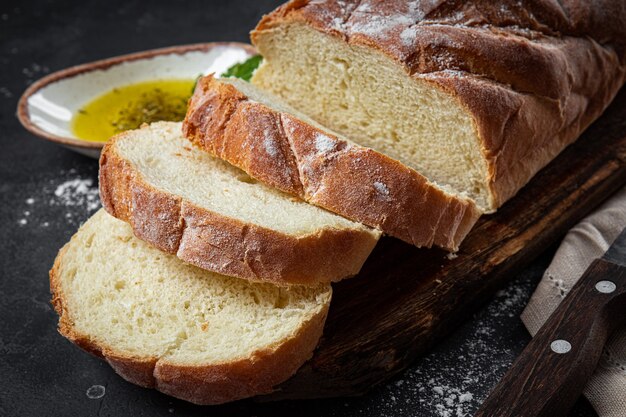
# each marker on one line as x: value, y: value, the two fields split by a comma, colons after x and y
x: 223, y: 244
x: 203, y: 384
x: 298, y: 158
x: 532, y: 74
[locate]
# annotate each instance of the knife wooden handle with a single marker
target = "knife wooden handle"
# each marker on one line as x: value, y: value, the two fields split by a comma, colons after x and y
x: 549, y: 375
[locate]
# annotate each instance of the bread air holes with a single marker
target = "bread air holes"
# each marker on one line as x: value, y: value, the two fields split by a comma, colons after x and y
x: 120, y: 285
x: 71, y: 274
x: 342, y: 67
x: 89, y: 241
x: 124, y: 238
x: 282, y: 300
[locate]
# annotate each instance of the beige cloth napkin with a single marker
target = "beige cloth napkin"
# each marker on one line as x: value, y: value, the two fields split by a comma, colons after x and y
x: 588, y: 240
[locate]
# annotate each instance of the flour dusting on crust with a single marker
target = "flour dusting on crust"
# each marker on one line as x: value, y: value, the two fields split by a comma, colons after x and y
x: 323, y: 143
x: 269, y: 143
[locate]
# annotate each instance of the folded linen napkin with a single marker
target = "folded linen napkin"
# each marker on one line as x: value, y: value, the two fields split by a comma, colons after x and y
x: 588, y: 240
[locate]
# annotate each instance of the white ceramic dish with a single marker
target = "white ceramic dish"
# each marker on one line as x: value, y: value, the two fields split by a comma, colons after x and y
x: 46, y: 107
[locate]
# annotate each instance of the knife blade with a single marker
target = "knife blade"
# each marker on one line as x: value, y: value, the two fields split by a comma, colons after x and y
x: 617, y: 251
x: 550, y: 374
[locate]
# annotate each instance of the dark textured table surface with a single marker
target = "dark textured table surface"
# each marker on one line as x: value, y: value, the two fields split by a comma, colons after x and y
x: 46, y: 192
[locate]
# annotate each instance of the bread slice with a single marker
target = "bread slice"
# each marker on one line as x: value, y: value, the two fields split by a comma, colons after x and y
x: 477, y: 96
x: 164, y: 324
x: 214, y: 216
x: 280, y: 146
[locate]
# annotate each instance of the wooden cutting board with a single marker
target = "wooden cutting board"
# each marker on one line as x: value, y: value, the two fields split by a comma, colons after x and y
x: 405, y: 299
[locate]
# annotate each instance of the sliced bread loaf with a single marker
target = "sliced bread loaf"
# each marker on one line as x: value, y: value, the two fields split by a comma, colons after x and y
x: 214, y: 216
x: 476, y: 95
x: 280, y: 146
x: 164, y: 324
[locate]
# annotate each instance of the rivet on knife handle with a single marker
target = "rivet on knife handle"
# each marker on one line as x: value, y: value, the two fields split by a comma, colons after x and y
x: 549, y: 375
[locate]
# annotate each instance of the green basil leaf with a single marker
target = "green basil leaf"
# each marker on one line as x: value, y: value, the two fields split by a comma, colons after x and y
x: 244, y: 70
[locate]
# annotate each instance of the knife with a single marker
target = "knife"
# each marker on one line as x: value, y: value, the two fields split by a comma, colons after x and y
x: 550, y: 374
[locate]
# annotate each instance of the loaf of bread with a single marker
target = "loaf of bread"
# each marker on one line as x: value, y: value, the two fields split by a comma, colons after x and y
x: 411, y: 117
x: 233, y: 120
x: 214, y: 216
x: 164, y: 324
x: 475, y: 95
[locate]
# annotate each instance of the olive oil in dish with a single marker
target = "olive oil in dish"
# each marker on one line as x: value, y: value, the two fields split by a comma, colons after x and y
x: 130, y: 106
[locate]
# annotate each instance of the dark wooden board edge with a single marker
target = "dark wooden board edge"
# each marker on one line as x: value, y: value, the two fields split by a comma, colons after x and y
x: 406, y: 299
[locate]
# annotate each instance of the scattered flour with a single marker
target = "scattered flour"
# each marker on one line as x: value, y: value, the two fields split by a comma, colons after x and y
x: 401, y: 23
x: 467, y: 397
x: 5, y: 92
x: 76, y: 198
x: 456, y: 378
x: 451, y: 401
x: 381, y: 188
x: 380, y: 26
x: 269, y: 143
x: 323, y: 143
x: 34, y: 71
x: 407, y: 36
x: 77, y: 192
